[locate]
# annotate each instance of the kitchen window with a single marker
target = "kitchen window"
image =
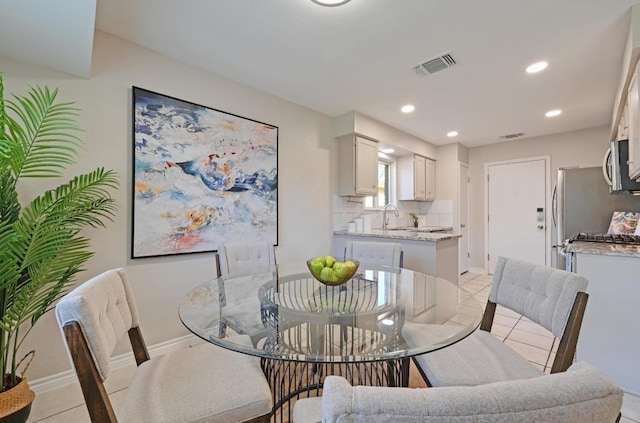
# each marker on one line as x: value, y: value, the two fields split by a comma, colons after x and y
x: 384, y: 195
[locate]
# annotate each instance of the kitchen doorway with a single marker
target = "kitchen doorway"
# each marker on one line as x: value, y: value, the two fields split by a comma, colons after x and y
x: 517, y: 192
x: 463, y: 217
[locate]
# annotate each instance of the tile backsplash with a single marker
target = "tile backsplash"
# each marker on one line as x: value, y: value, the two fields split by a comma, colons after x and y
x: 434, y: 213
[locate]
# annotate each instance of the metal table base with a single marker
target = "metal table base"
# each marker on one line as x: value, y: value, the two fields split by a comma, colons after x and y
x: 291, y: 380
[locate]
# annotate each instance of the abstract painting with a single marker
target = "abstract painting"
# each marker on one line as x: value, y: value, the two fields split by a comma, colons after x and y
x: 202, y: 177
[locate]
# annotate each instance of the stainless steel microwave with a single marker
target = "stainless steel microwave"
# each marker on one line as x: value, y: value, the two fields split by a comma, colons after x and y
x: 616, y: 169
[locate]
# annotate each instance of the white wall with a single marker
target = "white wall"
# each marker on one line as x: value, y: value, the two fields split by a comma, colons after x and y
x: 582, y: 148
x: 447, y: 181
x: 355, y: 122
x: 307, y: 176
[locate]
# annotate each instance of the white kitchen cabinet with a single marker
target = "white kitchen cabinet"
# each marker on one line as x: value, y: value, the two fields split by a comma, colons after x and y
x: 609, y: 333
x: 437, y: 256
x: 416, y: 178
x: 623, y: 126
x: 357, y: 166
x: 633, y: 124
x: 430, y: 180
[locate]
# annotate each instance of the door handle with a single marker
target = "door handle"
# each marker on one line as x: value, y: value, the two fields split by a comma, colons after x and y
x: 540, y: 227
x: 462, y: 225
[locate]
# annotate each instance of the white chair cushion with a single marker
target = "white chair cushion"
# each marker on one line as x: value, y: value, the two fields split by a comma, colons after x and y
x: 243, y: 317
x: 241, y: 309
x: 308, y: 410
x: 478, y: 359
x: 197, y: 385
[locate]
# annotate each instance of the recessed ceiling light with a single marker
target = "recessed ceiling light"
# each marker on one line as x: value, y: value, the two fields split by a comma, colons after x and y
x: 330, y: 3
x: 537, y: 67
x: 552, y: 113
x: 452, y: 134
x: 388, y: 150
x: 408, y: 108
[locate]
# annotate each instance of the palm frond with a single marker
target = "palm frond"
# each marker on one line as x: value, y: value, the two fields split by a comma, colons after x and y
x: 2, y: 110
x: 41, y: 247
x: 40, y: 137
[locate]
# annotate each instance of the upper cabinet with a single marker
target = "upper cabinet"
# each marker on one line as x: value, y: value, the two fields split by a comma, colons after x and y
x: 357, y: 166
x: 430, y: 180
x: 412, y: 171
x: 633, y: 124
x: 416, y: 178
x: 626, y: 116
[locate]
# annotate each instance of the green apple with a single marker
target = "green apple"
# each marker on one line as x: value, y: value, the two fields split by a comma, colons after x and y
x: 340, y: 269
x: 350, y: 265
x: 327, y: 275
x: 316, y: 265
x: 315, y: 260
x: 329, y: 261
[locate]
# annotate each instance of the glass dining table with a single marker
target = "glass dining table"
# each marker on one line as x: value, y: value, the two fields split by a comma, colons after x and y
x: 365, y: 330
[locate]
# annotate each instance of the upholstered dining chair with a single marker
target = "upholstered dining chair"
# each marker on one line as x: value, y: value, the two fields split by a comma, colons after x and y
x: 583, y: 394
x: 241, y: 259
x: 379, y: 253
x: 245, y: 258
x: 204, y: 383
x: 552, y: 298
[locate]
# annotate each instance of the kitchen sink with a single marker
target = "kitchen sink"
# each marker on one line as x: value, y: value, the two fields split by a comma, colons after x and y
x: 413, y: 229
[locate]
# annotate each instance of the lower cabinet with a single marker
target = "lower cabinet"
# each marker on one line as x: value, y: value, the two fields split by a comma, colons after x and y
x: 609, y: 334
x: 437, y: 258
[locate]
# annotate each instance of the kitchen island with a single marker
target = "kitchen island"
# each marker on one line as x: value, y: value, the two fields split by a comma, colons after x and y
x: 609, y: 335
x: 427, y: 251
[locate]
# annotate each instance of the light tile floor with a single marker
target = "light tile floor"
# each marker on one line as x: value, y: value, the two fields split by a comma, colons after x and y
x: 66, y: 404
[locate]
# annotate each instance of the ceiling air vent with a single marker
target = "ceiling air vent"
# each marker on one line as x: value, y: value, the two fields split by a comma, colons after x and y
x: 512, y: 136
x: 434, y: 65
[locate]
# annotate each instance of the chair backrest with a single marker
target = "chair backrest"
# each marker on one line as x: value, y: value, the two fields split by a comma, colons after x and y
x: 544, y: 295
x: 379, y: 253
x: 581, y: 395
x: 105, y: 309
x: 553, y: 298
x: 94, y: 317
x: 246, y: 258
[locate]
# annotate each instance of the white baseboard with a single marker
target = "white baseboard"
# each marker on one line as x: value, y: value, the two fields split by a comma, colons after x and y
x: 68, y: 377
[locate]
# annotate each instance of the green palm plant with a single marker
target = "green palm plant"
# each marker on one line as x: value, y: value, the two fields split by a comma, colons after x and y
x: 41, y: 246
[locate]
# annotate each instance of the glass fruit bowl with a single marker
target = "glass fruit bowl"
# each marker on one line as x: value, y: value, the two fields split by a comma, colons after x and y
x: 328, y: 271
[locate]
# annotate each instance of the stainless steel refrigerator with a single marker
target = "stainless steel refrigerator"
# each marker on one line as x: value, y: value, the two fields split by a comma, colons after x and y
x: 582, y: 203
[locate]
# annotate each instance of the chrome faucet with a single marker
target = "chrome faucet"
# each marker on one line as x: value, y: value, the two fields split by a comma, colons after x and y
x: 385, y: 221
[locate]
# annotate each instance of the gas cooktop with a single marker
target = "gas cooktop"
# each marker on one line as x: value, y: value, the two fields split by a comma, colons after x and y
x: 607, y: 238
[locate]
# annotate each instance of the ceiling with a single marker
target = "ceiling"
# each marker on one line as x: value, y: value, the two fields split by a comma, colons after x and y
x: 360, y: 56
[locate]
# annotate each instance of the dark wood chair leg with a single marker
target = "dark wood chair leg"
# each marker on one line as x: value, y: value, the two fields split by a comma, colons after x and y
x: 138, y: 345
x: 95, y: 395
x: 262, y: 419
x: 424, y: 376
x: 487, y: 316
x: 569, y: 341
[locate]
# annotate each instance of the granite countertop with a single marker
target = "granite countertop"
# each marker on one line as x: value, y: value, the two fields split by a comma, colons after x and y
x: 604, y: 248
x: 413, y: 234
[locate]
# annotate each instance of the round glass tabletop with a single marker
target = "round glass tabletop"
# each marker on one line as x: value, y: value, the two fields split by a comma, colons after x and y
x: 380, y: 314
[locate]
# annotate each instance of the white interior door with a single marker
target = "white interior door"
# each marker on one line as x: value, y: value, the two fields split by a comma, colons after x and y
x: 517, y: 211
x: 463, y: 220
